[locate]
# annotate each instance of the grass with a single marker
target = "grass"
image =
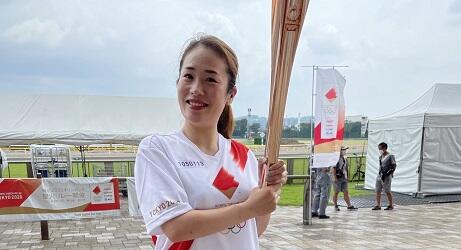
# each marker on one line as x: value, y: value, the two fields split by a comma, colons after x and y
x: 19, y: 170
x: 292, y: 195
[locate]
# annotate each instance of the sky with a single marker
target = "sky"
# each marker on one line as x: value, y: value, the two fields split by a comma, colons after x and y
x: 395, y: 50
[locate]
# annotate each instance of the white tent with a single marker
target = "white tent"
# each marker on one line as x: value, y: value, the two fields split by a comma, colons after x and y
x: 425, y: 137
x: 83, y: 120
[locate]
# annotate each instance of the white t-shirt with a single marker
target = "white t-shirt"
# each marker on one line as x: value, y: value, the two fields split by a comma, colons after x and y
x: 173, y: 176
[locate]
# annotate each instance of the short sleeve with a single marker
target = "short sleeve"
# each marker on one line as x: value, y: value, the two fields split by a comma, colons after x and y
x: 254, y: 167
x: 393, y: 162
x: 160, y: 192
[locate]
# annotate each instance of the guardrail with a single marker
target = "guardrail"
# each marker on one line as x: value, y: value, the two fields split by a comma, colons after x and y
x: 297, y: 164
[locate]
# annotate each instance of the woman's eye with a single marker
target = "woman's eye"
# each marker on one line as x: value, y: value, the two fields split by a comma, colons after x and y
x: 210, y: 79
x: 188, y: 76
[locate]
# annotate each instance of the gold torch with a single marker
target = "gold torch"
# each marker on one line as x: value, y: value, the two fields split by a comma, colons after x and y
x: 287, y: 21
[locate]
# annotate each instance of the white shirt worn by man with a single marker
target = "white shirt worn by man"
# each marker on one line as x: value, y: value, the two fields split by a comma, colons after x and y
x: 173, y: 176
x: 3, y: 161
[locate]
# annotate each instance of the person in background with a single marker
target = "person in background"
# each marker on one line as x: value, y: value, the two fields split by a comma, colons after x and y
x: 387, y: 166
x: 322, y: 192
x: 340, y: 180
x: 3, y: 162
x: 313, y: 176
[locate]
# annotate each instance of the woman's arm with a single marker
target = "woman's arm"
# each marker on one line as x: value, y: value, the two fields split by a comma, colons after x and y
x: 199, y: 223
x: 277, y: 176
x: 262, y: 222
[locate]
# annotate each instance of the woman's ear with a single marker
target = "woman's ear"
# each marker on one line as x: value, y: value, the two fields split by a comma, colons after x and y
x: 231, y: 95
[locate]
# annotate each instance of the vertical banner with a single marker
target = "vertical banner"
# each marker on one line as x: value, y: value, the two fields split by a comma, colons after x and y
x: 58, y: 198
x: 329, y: 117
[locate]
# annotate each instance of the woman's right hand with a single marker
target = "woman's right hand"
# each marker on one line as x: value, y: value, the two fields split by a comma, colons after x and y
x: 261, y: 201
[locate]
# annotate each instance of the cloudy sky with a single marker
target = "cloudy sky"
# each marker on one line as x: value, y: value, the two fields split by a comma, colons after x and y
x: 395, y: 49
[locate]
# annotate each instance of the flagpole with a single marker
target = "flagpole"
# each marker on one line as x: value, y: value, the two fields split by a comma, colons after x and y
x: 313, y: 94
x: 311, y: 160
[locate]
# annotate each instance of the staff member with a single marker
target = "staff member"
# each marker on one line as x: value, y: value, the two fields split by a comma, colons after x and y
x: 340, y: 180
x: 3, y: 162
x: 387, y: 166
x: 322, y: 192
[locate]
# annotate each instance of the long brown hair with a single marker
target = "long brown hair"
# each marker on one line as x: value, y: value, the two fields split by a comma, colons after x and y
x: 226, y: 120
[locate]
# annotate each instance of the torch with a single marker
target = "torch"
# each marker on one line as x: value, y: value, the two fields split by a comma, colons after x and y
x: 287, y: 21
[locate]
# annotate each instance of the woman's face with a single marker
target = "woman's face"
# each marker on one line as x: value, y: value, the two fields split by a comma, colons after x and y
x: 202, y: 87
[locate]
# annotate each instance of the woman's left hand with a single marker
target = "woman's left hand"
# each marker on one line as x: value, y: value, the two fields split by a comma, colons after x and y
x: 277, y: 175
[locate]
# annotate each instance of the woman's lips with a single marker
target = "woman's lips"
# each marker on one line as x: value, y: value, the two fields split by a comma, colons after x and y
x: 196, y: 104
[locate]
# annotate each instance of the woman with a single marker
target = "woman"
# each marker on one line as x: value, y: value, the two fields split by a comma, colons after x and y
x: 197, y: 188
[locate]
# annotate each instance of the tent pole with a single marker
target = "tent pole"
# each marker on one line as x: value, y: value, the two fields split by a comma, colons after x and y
x: 420, y: 168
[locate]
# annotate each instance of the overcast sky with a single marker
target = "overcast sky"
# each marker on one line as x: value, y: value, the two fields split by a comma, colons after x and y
x: 395, y: 49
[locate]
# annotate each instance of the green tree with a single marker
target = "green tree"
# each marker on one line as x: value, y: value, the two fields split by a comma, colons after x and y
x: 240, y: 128
x: 254, y: 128
x: 305, y: 130
x: 290, y: 132
x: 352, y: 130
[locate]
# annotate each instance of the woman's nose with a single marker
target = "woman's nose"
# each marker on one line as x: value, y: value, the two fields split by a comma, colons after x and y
x: 196, y: 87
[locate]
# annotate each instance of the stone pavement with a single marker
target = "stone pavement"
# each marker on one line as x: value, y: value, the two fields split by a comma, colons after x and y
x: 430, y: 226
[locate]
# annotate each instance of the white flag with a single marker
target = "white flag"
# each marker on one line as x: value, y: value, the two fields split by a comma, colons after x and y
x: 329, y: 117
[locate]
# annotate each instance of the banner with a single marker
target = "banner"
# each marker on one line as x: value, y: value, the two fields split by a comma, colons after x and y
x: 329, y: 117
x: 133, y: 205
x: 58, y: 198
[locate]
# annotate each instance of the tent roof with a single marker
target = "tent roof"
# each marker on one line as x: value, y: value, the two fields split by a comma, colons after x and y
x: 442, y: 100
x: 83, y: 120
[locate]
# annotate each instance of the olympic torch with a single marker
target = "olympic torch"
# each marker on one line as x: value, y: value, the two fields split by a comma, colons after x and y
x: 287, y: 21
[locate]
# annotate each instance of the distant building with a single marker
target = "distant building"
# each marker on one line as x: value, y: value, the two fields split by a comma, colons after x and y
x: 289, y: 122
x: 355, y: 118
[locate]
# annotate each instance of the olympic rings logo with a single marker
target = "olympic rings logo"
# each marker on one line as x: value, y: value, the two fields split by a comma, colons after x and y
x: 330, y: 109
x: 235, y: 229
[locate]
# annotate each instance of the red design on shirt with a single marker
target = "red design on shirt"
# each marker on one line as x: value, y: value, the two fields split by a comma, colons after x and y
x: 239, y: 153
x: 225, y: 183
x: 182, y: 245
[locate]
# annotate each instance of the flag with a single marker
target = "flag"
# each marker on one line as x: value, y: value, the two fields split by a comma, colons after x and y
x: 329, y: 117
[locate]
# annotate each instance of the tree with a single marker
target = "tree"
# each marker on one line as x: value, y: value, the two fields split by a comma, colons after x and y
x: 305, y: 130
x: 290, y: 132
x: 352, y: 130
x: 254, y: 128
x: 240, y: 128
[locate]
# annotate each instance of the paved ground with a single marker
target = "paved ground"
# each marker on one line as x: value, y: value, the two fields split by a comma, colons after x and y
x: 369, y: 201
x: 429, y: 226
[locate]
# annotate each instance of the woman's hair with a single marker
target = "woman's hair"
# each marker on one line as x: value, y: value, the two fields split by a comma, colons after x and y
x: 226, y: 120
